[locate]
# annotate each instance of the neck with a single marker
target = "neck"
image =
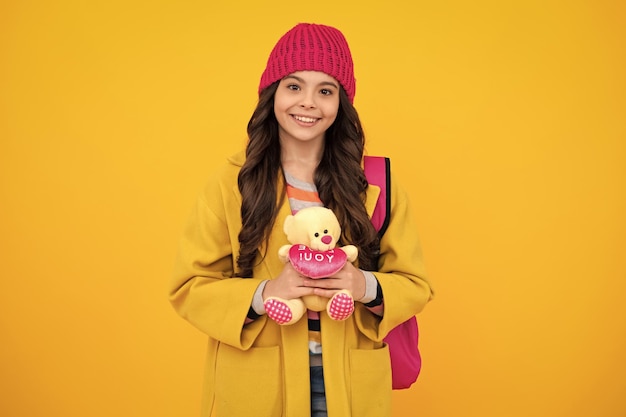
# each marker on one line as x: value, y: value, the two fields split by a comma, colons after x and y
x: 302, y: 160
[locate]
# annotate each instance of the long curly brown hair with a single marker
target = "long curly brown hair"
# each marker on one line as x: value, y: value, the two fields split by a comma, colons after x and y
x: 339, y: 179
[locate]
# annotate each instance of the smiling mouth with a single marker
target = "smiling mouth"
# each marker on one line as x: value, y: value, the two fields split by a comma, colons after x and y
x: 304, y: 119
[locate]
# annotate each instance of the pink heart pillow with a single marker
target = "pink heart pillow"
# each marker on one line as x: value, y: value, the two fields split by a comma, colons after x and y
x: 316, y: 264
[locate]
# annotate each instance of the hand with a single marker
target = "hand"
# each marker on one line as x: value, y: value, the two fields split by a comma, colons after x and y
x: 289, y: 284
x: 348, y: 278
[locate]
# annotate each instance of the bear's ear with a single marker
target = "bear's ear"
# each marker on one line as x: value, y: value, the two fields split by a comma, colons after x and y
x: 288, y: 224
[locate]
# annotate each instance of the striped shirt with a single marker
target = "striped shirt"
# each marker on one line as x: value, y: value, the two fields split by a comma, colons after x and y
x: 301, y: 195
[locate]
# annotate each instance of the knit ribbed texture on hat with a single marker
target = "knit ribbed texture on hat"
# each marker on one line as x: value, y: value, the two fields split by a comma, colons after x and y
x: 311, y: 47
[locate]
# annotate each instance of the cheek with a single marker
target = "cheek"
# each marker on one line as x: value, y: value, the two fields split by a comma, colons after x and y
x: 276, y: 105
x: 331, y: 110
x: 331, y: 118
x: 280, y: 112
x: 280, y: 102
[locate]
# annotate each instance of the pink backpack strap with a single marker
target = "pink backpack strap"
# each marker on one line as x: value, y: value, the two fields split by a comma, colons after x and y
x: 406, y: 361
x: 377, y: 169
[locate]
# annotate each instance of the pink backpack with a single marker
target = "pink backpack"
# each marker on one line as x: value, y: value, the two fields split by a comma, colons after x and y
x: 406, y: 361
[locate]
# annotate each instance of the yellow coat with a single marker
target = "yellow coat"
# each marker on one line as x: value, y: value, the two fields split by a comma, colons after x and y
x: 262, y: 369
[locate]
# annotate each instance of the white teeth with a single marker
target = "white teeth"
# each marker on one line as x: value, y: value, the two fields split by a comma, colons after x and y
x: 304, y: 119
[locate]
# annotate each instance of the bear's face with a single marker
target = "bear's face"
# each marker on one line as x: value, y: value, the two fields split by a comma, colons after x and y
x: 315, y: 227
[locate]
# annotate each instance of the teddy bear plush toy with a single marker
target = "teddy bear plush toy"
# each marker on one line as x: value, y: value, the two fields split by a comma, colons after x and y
x: 313, y: 233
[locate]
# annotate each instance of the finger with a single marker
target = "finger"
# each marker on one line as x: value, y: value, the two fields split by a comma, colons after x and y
x: 327, y: 284
x: 324, y: 292
x: 319, y: 283
x: 303, y: 291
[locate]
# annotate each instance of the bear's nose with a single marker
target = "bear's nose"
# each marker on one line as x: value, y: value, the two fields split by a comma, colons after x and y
x: 327, y: 239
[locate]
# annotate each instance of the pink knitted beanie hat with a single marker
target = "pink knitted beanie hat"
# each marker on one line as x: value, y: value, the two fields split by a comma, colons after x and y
x: 311, y: 47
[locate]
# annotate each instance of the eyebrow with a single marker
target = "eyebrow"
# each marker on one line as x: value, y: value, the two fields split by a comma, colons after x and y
x: 304, y: 82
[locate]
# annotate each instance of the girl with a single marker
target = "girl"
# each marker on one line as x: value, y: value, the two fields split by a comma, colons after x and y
x: 305, y: 148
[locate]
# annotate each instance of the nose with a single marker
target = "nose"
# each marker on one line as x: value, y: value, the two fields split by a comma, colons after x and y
x: 327, y: 239
x: 308, y: 100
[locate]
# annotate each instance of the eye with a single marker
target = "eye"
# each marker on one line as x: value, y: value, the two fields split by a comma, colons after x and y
x: 325, y: 231
x: 326, y: 92
x: 317, y: 234
x: 293, y: 87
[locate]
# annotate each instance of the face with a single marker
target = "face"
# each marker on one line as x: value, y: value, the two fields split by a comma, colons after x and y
x: 306, y: 105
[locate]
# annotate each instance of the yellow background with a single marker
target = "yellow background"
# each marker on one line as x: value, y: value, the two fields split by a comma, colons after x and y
x: 504, y: 120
